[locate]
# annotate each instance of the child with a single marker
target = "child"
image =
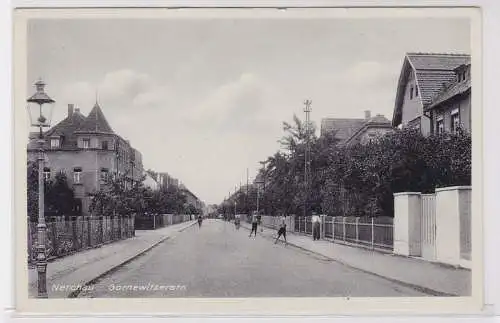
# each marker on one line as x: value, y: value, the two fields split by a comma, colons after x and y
x: 282, y: 230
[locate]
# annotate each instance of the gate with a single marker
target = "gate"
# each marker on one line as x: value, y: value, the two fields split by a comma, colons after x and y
x: 428, y: 226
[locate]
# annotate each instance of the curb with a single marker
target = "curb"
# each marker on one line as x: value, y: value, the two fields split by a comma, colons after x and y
x: 416, y: 287
x: 74, y: 294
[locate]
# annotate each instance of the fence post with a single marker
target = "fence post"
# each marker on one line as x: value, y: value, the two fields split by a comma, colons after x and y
x: 132, y: 223
x: 104, y: 228
x: 100, y: 227
x: 343, y: 228
x: 112, y: 226
x: 357, y: 229
x: 124, y: 227
x: 373, y: 234
x: 333, y: 228
x: 30, y: 241
x: 89, y: 231
x: 74, y: 234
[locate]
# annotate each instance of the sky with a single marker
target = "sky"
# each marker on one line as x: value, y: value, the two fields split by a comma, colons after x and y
x: 204, y: 99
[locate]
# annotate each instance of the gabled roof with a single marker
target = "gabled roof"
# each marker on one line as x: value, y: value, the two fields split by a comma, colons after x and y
x: 95, y: 122
x: 437, y: 61
x: 66, y: 129
x: 453, y: 90
x: 379, y: 121
x: 432, y: 72
x: 344, y: 128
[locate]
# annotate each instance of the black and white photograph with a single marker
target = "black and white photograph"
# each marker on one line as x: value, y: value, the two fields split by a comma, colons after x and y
x: 233, y: 156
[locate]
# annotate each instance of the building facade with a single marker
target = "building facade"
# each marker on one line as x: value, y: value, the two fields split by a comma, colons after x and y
x: 87, y: 150
x: 433, y: 93
x: 356, y: 131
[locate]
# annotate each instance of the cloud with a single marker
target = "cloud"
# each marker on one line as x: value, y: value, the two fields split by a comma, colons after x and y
x: 241, y: 104
x: 123, y: 85
x: 121, y: 92
x: 364, y: 72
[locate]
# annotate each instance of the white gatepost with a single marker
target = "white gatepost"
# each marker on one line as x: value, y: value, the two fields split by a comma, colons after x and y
x: 407, y: 226
x: 452, y: 203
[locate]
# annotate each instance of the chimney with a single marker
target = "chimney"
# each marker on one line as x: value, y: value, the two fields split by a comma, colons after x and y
x: 368, y: 114
x: 70, y: 109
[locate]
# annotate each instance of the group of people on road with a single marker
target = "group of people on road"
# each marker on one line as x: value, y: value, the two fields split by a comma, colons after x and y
x: 256, y: 222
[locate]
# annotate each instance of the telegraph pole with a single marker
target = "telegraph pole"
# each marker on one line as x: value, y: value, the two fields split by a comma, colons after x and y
x: 307, y: 166
x: 246, y: 198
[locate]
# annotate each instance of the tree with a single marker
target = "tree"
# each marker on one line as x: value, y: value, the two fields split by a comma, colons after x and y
x: 119, y: 195
x: 58, y: 195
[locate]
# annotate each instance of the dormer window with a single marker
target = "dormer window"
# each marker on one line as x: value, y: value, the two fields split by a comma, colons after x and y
x: 46, y: 173
x: 55, y: 142
x: 77, y: 173
x: 86, y: 143
x: 104, y: 175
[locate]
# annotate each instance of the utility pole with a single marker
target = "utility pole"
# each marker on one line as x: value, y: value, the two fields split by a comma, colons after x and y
x: 246, y: 198
x: 307, y: 166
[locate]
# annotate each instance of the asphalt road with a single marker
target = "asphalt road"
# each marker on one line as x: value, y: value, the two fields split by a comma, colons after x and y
x: 217, y: 260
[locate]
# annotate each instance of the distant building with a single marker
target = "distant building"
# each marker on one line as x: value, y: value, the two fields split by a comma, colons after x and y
x: 87, y: 150
x: 192, y: 199
x: 433, y: 93
x: 165, y: 180
x: 350, y: 131
x: 150, y: 182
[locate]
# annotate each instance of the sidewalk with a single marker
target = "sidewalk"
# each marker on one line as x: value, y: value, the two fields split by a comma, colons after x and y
x: 83, y: 267
x: 428, y: 277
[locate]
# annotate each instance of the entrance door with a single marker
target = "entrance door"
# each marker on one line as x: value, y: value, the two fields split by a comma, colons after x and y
x: 428, y: 223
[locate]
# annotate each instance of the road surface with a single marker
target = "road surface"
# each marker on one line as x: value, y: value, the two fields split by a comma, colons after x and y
x: 217, y: 260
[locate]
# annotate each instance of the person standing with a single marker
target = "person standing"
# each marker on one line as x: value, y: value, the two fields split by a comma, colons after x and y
x: 200, y: 220
x: 237, y: 218
x: 282, y: 230
x: 316, y: 226
x: 254, y: 224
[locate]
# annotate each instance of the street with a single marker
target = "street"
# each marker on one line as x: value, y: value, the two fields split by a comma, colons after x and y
x: 217, y: 260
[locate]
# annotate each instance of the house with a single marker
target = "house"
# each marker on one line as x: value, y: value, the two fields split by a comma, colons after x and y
x: 353, y: 131
x: 191, y: 199
x: 165, y: 180
x: 150, y: 182
x: 433, y: 93
x: 88, y: 150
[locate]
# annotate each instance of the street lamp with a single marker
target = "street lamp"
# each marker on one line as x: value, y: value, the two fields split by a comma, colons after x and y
x: 38, y: 119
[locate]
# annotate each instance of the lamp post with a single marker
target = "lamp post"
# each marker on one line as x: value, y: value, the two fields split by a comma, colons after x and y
x: 37, y: 118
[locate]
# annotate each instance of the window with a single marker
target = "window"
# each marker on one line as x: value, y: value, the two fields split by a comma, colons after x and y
x: 77, y: 174
x: 104, y: 175
x: 78, y: 207
x: 411, y: 92
x: 104, y: 145
x: 416, y: 91
x: 455, y: 120
x: 46, y: 173
x: 86, y: 143
x: 54, y: 143
x: 440, y: 125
